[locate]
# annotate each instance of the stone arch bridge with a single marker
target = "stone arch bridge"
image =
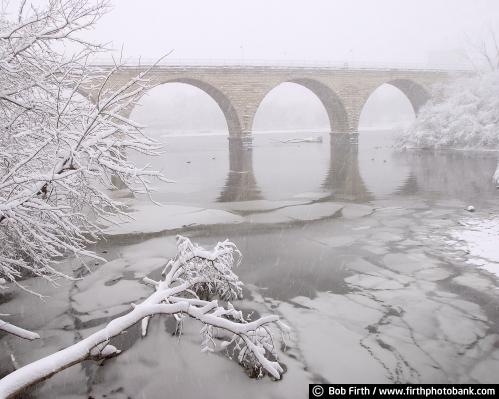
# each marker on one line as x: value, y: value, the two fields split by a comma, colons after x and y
x: 239, y: 90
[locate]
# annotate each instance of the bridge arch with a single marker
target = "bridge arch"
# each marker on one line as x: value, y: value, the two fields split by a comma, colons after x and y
x: 223, y: 101
x: 385, y: 106
x: 415, y: 94
x: 334, y: 107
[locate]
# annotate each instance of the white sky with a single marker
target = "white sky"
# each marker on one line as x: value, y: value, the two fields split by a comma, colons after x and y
x: 380, y: 31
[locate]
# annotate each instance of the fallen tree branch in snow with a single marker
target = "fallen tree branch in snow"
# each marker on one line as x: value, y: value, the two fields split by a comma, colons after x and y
x: 192, y: 282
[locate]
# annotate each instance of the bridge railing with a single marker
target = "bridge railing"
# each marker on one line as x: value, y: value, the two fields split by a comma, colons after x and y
x: 278, y: 64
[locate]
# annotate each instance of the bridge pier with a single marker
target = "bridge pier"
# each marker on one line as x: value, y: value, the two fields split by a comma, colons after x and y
x: 341, y: 139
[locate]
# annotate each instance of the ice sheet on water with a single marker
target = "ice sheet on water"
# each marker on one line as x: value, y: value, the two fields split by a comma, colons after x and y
x: 312, y: 195
x: 311, y: 212
x: 151, y: 218
x: 330, y: 328
x: 259, y: 205
x: 475, y: 281
x: 398, y: 324
x: 354, y: 211
x: 289, y: 214
x: 104, y: 292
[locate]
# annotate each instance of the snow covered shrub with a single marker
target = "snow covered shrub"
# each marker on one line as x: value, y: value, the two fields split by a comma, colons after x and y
x: 466, y: 118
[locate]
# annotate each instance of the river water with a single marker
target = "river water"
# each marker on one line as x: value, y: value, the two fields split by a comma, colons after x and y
x: 368, y: 254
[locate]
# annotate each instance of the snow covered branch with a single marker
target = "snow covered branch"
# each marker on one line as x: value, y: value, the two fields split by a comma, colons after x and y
x: 59, y: 152
x: 193, y: 283
x: 20, y: 332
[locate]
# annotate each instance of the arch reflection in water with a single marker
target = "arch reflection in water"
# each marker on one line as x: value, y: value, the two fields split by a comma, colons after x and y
x: 343, y: 179
x: 286, y: 162
x: 240, y: 184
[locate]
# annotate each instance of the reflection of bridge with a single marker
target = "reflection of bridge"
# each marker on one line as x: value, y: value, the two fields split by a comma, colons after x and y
x: 240, y: 184
x: 342, y: 181
x: 239, y: 90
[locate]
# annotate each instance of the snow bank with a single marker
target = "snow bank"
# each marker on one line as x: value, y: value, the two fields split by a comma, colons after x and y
x: 467, y: 118
x: 481, y: 239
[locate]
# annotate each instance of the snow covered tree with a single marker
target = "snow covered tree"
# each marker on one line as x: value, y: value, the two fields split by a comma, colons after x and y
x: 466, y: 114
x: 466, y: 118
x: 58, y: 150
x: 193, y: 283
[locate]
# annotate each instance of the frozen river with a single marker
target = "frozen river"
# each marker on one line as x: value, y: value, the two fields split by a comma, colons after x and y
x: 367, y: 254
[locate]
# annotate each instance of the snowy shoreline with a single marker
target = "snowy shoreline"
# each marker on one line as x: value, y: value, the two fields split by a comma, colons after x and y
x: 479, y: 238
